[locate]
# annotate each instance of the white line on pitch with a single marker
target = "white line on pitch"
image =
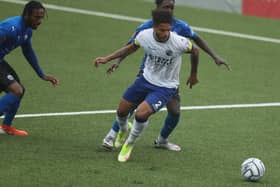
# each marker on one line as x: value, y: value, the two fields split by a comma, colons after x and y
x: 207, y: 107
x: 141, y: 20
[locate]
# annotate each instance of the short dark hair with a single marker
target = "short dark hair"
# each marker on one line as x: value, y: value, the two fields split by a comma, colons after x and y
x: 158, y: 2
x: 28, y: 8
x: 161, y: 16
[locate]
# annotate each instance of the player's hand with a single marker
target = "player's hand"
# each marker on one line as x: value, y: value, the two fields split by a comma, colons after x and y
x: 112, y: 68
x: 100, y: 60
x: 51, y: 79
x: 192, y: 80
x: 219, y: 61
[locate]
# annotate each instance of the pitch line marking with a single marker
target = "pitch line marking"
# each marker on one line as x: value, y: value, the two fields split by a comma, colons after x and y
x: 141, y: 20
x: 206, y: 107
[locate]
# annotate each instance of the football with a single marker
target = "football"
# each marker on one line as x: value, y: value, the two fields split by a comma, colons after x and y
x: 252, y: 169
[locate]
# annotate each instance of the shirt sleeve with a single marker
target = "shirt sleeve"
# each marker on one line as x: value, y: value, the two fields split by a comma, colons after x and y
x: 139, y: 40
x: 148, y: 24
x: 187, y: 31
x: 31, y: 57
x: 7, y: 32
x: 185, y: 45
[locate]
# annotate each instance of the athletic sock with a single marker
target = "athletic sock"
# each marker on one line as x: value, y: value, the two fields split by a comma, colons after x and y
x: 111, y: 134
x: 136, y: 131
x: 116, y: 126
x: 7, y: 102
x: 10, y: 115
x: 122, y: 121
x: 170, y: 123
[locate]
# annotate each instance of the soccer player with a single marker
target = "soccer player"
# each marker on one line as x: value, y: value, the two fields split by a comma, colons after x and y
x: 173, y: 106
x: 160, y: 79
x: 17, y: 31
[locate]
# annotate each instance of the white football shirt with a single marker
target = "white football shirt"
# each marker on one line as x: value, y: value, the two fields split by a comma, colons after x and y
x: 163, y: 61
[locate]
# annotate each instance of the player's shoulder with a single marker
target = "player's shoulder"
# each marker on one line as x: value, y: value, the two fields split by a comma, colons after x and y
x: 146, y: 32
x: 146, y: 25
x: 12, y: 24
x: 180, y: 23
x: 178, y: 38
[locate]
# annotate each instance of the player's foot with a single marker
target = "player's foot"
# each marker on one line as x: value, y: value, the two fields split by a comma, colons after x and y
x: 108, y: 143
x: 121, y: 136
x: 13, y: 131
x: 125, y: 153
x: 167, y: 145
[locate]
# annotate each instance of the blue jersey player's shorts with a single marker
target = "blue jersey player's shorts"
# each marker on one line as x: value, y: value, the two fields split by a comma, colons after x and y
x: 154, y: 95
x: 7, y: 75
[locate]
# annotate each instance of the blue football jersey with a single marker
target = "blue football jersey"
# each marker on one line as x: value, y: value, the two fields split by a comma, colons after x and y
x: 14, y: 33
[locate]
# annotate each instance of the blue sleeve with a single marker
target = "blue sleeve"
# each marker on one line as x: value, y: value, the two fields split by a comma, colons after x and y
x: 6, y: 33
x: 148, y: 24
x: 2, y: 37
x: 30, y: 56
x: 186, y: 30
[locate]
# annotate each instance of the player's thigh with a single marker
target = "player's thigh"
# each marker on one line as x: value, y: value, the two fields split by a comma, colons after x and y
x: 173, y: 105
x: 125, y: 107
x: 159, y: 97
x: 15, y: 88
x: 144, y: 111
x: 9, y: 80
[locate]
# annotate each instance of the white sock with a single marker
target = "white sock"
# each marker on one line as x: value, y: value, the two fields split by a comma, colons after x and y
x: 136, y: 131
x: 112, y: 134
x: 160, y: 139
x: 122, y: 121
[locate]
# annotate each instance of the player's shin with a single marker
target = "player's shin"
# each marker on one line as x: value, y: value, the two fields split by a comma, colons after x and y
x: 136, y: 130
x: 10, y: 115
x: 122, y: 121
x: 170, y: 124
x: 7, y: 102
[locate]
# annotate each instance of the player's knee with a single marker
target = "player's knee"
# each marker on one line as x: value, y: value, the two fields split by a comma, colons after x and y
x: 174, y: 109
x: 19, y: 91
x: 143, y: 115
x: 23, y: 92
x: 122, y: 113
x: 173, y: 106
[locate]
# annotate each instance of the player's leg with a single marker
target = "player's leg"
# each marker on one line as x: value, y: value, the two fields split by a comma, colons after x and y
x: 153, y: 103
x: 170, y: 123
x: 135, y: 95
x: 123, y: 128
x: 140, y: 122
x: 9, y: 103
x: 112, y: 137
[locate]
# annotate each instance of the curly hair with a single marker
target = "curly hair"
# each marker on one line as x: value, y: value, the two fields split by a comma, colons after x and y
x: 158, y: 2
x: 161, y: 16
x: 28, y: 8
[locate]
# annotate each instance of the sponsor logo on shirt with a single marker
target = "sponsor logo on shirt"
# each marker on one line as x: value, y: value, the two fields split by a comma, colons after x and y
x: 160, y: 60
x: 169, y: 53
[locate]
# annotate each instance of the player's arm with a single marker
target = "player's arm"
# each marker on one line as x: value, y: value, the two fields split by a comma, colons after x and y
x: 203, y: 45
x: 6, y: 34
x: 31, y: 57
x: 114, y: 66
x: 194, y: 55
x: 122, y: 52
x: 146, y: 25
x: 3, y: 37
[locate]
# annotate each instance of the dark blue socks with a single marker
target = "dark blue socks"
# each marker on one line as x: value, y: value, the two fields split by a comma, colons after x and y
x: 170, y: 123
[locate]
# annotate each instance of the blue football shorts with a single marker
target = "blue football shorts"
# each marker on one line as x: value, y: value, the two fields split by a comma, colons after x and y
x: 156, y: 96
